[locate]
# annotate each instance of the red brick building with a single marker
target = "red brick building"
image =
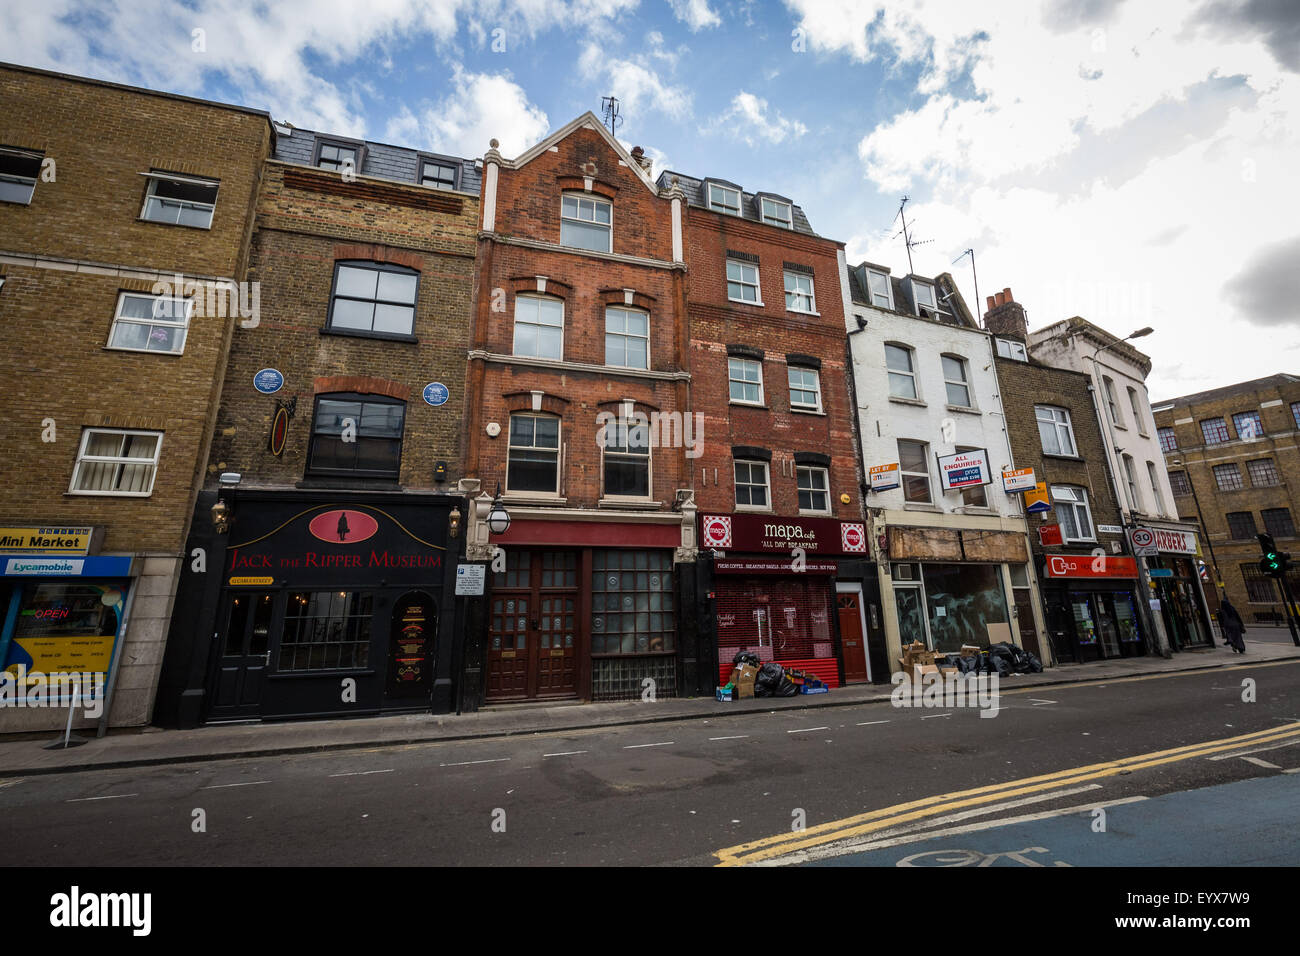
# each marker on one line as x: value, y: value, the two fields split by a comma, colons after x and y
x: 782, y: 541
x: 578, y: 387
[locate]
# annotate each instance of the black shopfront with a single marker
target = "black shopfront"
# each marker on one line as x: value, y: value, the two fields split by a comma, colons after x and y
x: 1091, y: 607
x: 316, y: 605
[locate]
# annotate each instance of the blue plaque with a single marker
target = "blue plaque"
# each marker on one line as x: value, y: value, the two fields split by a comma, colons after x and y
x: 268, y: 381
x: 435, y: 393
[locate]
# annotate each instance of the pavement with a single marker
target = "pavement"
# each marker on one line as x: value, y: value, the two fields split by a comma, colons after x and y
x: 26, y: 756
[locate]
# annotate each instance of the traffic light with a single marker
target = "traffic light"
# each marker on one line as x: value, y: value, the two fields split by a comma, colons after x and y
x: 1274, y: 562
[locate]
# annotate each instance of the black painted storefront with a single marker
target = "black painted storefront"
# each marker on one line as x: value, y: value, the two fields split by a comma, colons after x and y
x: 315, y: 604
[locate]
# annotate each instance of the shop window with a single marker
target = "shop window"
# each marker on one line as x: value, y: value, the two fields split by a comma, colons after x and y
x: 1241, y: 525
x: 627, y: 460
x: 902, y: 372
x: 955, y: 381
x: 627, y: 337
x: 326, y: 630
x: 539, y: 327
x: 1071, y: 505
x: 586, y: 223
x: 1055, y: 430
x: 632, y: 602
x: 60, y: 620
x: 805, y: 388
x: 781, y: 618
x: 974, y: 496
x: 150, y: 323
x: 914, y: 466
x: 534, y: 454
x: 180, y: 200
x: 966, y: 603
x: 745, y: 380
x: 814, y: 489
x: 1278, y: 523
x: 1179, y: 483
x: 116, y: 462
x: 357, y: 436
x: 1214, y: 430
x: 1263, y: 473
x: 1248, y: 425
x: 1168, y: 441
x: 1228, y: 477
x: 751, y: 484
x: 1260, y: 588
x: 373, y: 297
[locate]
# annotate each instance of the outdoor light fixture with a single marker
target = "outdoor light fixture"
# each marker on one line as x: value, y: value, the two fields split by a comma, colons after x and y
x: 453, y: 523
x: 221, y: 517
x: 498, y: 519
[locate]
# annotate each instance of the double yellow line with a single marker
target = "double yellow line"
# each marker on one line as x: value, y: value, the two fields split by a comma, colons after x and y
x: 786, y: 843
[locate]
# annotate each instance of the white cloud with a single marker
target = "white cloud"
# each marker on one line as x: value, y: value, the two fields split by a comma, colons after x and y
x: 696, y: 14
x: 749, y: 119
x: 636, y: 84
x: 479, y: 108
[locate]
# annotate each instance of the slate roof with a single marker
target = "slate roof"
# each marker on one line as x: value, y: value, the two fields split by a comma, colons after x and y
x: 749, y: 205
x: 378, y: 159
x: 958, y: 313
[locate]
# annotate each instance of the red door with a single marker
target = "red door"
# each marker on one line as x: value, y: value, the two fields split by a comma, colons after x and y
x: 851, y: 637
x: 532, y: 632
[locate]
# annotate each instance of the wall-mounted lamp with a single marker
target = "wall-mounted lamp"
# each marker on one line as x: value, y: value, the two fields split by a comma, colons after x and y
x: 221, y: 517
x: 453, y: 523
x: 498, y: 518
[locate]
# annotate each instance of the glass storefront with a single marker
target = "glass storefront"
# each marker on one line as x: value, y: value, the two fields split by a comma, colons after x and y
x: 966, y: 605
x: 63, y: 626
x: 1094, y: 625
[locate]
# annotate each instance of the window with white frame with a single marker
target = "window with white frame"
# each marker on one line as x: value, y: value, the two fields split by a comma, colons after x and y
x: 1130, y: 475
x: 974, y: 495
x: 954, y: 380
x: 1011, y: 349
x: 1135, y: 403
x: 1055, y: 430
x: 924, y: 294
x: 742, y: 281
x: 878, y: 289
x: 150, y: 323
x: 751, y: 484
x: 115, y: 461
x: 533, y: 458
x: 19, y: 169
x: 902, y: 371
x: 914, y: 468
x: 1111, y: 401
x: 724, y: 199
x: 1071, y: 505
x: 805, y: 388
x: 814, y: 489
x: 1154, y: 477
x: 777, y: 213
x: 539, y: 326
x: 627, y: 460
x: 180, y: 200
x: 799, y: 293
x: 586, y: 223
x: 627, y: 337
x: 745, y: 380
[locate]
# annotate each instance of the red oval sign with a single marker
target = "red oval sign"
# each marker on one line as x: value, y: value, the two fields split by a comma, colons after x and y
x: 343, y: 526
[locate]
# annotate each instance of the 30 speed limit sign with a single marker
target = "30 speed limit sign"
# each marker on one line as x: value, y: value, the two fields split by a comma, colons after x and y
x: 1143, y: 541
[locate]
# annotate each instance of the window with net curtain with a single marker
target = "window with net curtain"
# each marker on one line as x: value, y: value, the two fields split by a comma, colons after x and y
x: 117, y: 462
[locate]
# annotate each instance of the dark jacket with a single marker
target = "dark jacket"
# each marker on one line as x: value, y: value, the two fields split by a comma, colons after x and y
x: 1230, y: 620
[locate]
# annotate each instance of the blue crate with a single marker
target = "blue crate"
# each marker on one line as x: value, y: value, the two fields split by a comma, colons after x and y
x: 808, y: 689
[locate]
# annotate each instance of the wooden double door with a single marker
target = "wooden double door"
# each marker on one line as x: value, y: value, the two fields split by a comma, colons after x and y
x: 533, y: 631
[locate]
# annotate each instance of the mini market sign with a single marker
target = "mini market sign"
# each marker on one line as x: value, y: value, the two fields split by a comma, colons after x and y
x: 966, y: 469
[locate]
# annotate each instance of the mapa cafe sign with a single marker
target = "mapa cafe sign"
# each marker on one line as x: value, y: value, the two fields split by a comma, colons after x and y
x: 766, y: 533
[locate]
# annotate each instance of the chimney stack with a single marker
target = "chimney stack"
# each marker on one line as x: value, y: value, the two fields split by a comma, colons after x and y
x: 1006, y: 316
x: 639, y: 155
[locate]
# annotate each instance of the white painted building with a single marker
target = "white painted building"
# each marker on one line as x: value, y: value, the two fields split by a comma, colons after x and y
x: 952, y: 564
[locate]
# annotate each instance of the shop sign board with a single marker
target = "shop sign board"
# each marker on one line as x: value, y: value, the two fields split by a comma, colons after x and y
x: 1143, y: 542
x: 98, y: 567
x: 51, y: 541
x: 1036, y: 501
x: 1175, y: 542
x: 1018, y: 479
x: 1049, y: 534
x: 770, y: 566
x: 1110, y: 529
x: 1090, y: 566
x: 1161, y: 572
x: 777, y: 534
x: 884, y: 477
x: 965, y: 469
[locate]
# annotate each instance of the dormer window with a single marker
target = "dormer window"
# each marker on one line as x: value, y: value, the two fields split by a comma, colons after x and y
x: 338, y: 156
x: 438, y: 174
x: 1010, y: 349
x: 724, y: 199
x: 879, y: 290
x: 924, y: 295
x: 777, y: 213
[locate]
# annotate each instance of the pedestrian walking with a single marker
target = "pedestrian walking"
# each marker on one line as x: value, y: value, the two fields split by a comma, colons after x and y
x: 1233, y: 628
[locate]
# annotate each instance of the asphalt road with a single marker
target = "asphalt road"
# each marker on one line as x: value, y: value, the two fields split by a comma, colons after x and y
x: 680, y: 792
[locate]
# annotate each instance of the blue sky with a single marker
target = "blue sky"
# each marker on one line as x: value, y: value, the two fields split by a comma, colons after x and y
x: 1132, y: 162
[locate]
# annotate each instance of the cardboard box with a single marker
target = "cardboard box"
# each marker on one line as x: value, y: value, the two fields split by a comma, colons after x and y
x: 916, y: 656
x: 743, y: 676
x: 970, y: 650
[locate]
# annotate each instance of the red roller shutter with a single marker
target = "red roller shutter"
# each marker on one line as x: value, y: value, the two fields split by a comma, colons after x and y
x: 783, y: 619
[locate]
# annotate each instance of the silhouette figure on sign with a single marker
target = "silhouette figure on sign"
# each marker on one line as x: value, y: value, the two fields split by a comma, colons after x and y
x: 343, y: 528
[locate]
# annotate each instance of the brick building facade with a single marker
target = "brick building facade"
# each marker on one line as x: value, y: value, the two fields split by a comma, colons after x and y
x: 341, y: 541
x: 109, y: 424
x: 579, y: 385
x: 1235, y: 469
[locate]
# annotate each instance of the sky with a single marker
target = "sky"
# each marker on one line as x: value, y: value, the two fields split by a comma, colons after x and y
x: 1130, y: 161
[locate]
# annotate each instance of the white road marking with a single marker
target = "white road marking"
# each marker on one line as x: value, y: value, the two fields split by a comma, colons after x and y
x: 566, y: 753
x: 736, y: 737
x: 1296, y: 770
x: 1038, y: 701
x: 928, y: 716
x: 1254, y: 750
x: 466, y: 763
x: 114, y: 796
x: 359, y: 773
x: 868, y: 723
x: 11, y: 783
x: 666, y: 743
x: 1262, y: 763
x: 806, y: 730
x: 223, y: 786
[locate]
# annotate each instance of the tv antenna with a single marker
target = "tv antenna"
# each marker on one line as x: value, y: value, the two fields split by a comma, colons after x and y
x: 979, y: 309
x: 610, y: 111
x: 906, y: 234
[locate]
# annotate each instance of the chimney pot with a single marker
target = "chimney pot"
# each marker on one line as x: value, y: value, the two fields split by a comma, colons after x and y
x: 1007, y: 293
x: 991, y: 301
